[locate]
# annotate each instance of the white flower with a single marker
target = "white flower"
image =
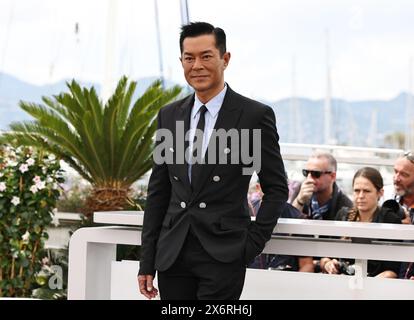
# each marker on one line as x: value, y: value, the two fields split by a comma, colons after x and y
x: 23, y: 168
x: 36, y: 179
x: 12, y: 163
x: 15, y: 201
x: 33, y: 188
x: 30, y: 162
x: 1, y: 174
x: 26, y: 236
x: 49, y: 180
x: 40, y: 185
x: 55, y: 219
x: 2, y: 186
x: 51, y: 157
x: 55, y: 186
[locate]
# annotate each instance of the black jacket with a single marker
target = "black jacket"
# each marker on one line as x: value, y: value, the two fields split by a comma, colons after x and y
x: 216, y: 207
x: 338, y: 200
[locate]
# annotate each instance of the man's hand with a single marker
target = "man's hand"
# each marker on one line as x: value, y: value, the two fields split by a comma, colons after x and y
x: 306, y: 191
x: 332, y: 266
x: 407, y: 219
x: 146, y: 287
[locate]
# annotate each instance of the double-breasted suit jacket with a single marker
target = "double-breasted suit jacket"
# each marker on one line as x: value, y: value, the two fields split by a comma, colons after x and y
x: 215, y: 206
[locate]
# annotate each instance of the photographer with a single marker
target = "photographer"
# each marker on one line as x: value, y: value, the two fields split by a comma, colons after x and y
x: 368, y: 189
x: 402, y: 191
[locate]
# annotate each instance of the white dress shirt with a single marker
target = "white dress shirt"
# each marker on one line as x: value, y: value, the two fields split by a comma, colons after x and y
x: 213, y: 107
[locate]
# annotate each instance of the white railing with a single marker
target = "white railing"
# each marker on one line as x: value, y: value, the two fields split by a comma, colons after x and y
x: 60, y: 229
x: 343, y: 154
x: 94, y: 273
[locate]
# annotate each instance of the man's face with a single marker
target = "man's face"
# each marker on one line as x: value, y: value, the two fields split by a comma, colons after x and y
x: 404, y: 177
x: 203, y: 65
x: 325, y: 181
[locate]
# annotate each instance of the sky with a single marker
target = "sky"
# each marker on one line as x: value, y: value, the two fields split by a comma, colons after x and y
x: 370, y: 43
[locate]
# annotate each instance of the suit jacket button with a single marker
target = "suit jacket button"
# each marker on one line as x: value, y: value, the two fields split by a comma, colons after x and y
x: 183, y: 205
x: 226, y: 150
x: 175, y: 178
x: 202, y: 205
x: 216, y: 178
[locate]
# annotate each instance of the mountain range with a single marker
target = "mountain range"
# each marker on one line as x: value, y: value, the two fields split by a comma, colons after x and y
x: 358, y: 123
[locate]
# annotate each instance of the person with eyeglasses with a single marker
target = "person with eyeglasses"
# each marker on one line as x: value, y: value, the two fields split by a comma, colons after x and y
x: 319, y: 196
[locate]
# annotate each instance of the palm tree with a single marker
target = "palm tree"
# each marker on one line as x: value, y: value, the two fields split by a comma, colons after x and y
x: 109, y: 145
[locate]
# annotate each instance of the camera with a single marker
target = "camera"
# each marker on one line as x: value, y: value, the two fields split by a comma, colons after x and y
x: 284, y: 267
x: 395, y: 207
x: 345, y: 268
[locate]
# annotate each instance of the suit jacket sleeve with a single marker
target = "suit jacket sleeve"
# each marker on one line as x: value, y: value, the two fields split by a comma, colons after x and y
x: 158, y: 198
x: 274, y: 185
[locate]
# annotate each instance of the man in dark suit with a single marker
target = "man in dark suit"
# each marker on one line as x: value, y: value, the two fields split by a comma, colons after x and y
x: 197, y: 231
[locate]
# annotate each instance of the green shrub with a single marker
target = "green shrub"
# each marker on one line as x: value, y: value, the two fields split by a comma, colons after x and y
x: 29, y: 188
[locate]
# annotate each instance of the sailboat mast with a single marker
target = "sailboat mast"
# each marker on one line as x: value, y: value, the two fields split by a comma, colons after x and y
x: 409, y: 127
x: 295, y: 119
x: 157, y: 26
x: 327, y: 107
x: 185, y: 17
x: 110, y: 50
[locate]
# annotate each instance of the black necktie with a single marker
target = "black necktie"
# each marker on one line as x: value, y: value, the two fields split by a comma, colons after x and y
x: 195, y: 168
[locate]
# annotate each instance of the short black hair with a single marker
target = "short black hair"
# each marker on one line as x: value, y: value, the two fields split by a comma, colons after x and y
x: 194, y: 29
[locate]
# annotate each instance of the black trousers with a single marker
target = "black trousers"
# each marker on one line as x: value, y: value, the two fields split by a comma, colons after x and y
x: 195, y: 275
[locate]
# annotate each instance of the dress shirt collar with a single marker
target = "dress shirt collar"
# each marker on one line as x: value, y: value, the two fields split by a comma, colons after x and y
x: 213, y: 105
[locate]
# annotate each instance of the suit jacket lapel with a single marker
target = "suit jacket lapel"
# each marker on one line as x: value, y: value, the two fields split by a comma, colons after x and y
x: 183, y: 114
x: 227, y: 119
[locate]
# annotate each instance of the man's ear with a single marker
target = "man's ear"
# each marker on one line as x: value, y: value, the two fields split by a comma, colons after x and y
x: 226, y: 58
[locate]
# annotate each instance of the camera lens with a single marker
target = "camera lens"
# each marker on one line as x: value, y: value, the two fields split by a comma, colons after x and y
x: 345, y: 268
x: 395, y: 207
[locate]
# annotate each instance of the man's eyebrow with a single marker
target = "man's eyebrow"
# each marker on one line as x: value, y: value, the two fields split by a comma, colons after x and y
x: 203, y: 52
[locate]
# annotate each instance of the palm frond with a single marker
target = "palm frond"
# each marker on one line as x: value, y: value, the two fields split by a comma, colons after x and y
x: 34, y: 140
x: 125, y: 106
x: 143, y: 151
x: 96, y: 108
x: 108, y: 144
x: 68, y: 145
x: 111, y: 139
